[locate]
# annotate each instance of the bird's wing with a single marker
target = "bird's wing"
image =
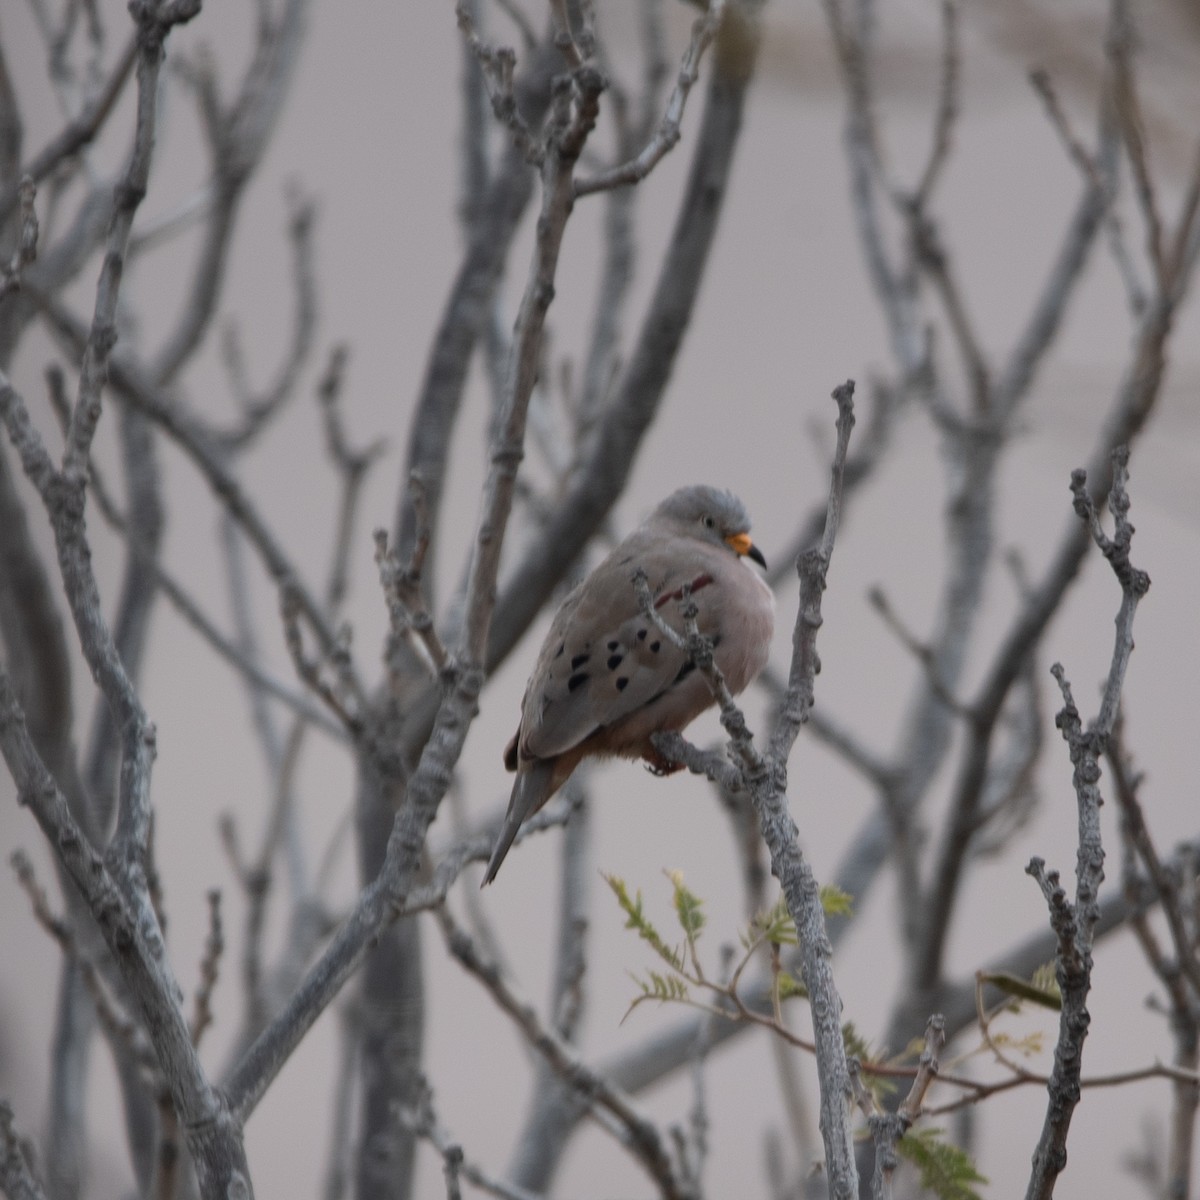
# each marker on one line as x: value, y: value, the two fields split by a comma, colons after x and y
x: 603, y: 658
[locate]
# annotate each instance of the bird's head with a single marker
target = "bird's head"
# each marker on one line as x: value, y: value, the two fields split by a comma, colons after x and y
x: 712, y: 515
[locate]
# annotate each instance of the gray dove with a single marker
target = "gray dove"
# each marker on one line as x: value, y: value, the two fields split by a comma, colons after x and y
x: 606, y: 678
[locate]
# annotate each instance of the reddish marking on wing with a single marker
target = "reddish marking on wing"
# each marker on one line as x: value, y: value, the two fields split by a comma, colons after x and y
x: 701, y: 581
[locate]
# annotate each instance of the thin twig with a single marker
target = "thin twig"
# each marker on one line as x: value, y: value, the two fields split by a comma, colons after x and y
x: 421, y: 1119
x: 25, y: 250
x: 634, y: 170
x: 79, y: 132
x: 194, y: 615
x: 498, y: 65
x: 947, y: 109
x: 121, y: 1030
x: 1074, y: 924
x: 257, y: 410
x: 214, y: 947
x: 640, y: 1136
x: 1133, y: 132
x: 17, y: 1176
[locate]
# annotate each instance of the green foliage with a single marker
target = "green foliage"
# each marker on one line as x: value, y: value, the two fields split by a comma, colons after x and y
x: 636, y: 919
x: 1031, y: 1045
x: 665, y: 989
x: 774, y: 924
x: 835, y: 902
x: 1041, y: 989
x: 945, y: 1170
x: 789, y: 986
x: 671, y: 987
x: 857, y: 1046
x: 689, y: 908
x: 773, y: 927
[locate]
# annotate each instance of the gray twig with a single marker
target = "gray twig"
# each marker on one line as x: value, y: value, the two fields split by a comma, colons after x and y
x: 632, y: 1127
x: 765, y: 778
x: 704, y: 29
x: 421, y: 1119
x: 17, y: 1176
x: 1074, y: 923
x: 78, y: 133
x: 888, y: 1128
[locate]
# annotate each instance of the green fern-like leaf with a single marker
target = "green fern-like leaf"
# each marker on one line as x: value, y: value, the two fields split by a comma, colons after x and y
x: 945, y: 1170
x: 636, y: 919
x: 663, y: 988
x: 835, y: 902
x: 1041, y: 989
x: 1030, y: 1045
x: 790, y: 986
x: 659, y: 988
x: 689, y: 908
x: 775, y: 924
x: 856, y: 1045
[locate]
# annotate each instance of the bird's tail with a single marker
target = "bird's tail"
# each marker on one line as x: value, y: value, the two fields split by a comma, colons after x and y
x: 533, y: 787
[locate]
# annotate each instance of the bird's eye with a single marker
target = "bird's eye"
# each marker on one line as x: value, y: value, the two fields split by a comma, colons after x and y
x: 708, y: 522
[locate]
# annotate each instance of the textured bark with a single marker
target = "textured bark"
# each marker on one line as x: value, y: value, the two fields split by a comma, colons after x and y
x: 389, y: 1014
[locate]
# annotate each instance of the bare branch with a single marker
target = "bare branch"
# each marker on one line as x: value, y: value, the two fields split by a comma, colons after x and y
x: 498, y: 66
x: 238, y: 136
x: 25, y: 250
x: 214, y: 1141
x: 257, y: 410
x: 812, y: 567
x: 573, y: 115
x: 666, y: 137
x: 214, y: 947
x: 378, y: 904
x: 947, y: 109
x: 129, y: 380
x: 17, y: 1176
x: 421, y: 1119
x: 467, y: 312
x: 610, y: 455
x: 79, y: 132
x: 1132, y: 128
x: 62, y: 492
x: 1074, y: 924
x: 121, y: 1031
x: 640, y: 1135
x: 888, y: 1128
x: 765, y: 778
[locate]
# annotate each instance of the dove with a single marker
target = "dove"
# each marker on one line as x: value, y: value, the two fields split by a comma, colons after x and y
x: 607, y: 678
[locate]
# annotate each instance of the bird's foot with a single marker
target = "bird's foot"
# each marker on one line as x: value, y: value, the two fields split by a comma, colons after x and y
x: 658, y: 764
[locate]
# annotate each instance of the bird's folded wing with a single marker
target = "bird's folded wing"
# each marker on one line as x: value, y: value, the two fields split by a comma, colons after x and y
x: 605, y: 659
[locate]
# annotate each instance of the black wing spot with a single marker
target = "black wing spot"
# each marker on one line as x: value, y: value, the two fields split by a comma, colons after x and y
x: 614, y: 645
x: 578, y: 661
x: 615, y: 661
x: 577, y: 680
x: 684, y: 671
x: 641, y: 635
x: 622, y: 683
x: 655, y: 647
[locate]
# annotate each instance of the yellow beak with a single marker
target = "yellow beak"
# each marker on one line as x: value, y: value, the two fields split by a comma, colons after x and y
x: 743, y: 545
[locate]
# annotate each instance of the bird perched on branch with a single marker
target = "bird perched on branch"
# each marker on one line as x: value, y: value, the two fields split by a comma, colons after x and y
x: 608, y: 678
